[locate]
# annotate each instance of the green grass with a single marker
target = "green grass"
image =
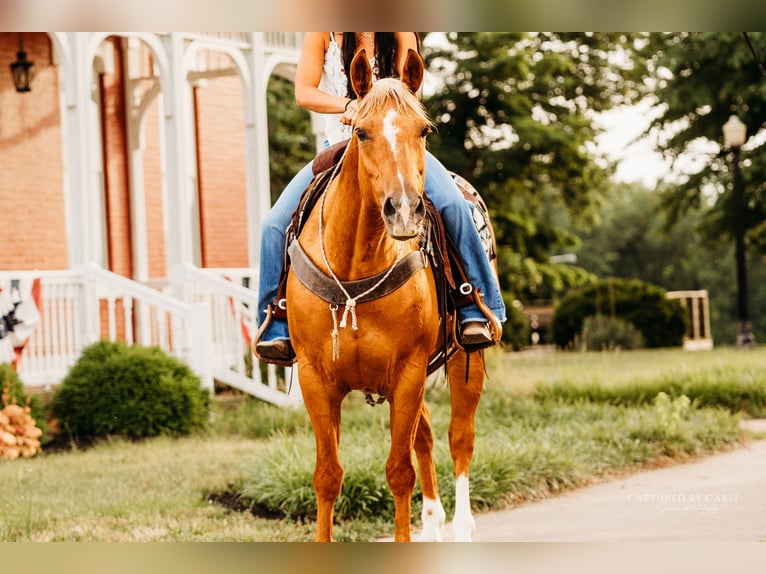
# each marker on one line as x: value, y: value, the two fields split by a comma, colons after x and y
x: 545, y: 424
x: 526, y: 449
x: 523, y: 372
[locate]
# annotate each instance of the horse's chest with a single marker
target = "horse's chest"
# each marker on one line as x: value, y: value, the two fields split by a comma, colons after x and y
x: 372, y: 341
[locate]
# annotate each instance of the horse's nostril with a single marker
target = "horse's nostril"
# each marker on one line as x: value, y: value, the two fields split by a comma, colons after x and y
x: 420, y: 208
x: 389, y: 210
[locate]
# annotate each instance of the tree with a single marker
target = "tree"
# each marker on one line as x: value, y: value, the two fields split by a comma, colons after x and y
x: 633, y: 238
x: 291, y: 143
x: 700, y: 80
x: 514, y: 115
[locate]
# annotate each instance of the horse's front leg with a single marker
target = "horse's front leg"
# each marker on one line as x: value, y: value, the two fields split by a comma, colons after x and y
x: 324, y: 410
x: 405, y: 407
x: 433, y: 515
x: 464, y: 399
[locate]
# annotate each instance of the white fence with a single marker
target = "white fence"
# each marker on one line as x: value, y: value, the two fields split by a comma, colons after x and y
x: 204, y: 319
x: 232, y: 312
x: 55, y: 343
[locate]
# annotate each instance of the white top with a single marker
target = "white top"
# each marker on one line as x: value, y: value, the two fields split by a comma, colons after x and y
x: 333, y: 82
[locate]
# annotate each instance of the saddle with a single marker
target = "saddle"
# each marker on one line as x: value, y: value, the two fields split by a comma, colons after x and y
x: 437, y: 249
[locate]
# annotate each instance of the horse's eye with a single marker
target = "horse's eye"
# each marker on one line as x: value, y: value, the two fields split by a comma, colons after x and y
x: 425, y: 132
x: 361, y: 134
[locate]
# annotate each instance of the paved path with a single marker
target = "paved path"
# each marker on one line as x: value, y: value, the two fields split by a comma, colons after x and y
x: 721, y: 498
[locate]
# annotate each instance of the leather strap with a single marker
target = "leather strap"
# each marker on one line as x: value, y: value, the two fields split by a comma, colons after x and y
x: 324, y: 287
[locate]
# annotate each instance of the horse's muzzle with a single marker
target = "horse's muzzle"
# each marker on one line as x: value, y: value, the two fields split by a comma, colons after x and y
x: 403, y: 217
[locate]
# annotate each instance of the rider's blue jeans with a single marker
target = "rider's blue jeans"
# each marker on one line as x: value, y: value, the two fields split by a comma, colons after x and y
x: 448, y: 200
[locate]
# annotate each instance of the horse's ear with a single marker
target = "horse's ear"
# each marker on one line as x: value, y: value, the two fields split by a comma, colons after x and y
x: 361, y: 74
x: 412, y: 75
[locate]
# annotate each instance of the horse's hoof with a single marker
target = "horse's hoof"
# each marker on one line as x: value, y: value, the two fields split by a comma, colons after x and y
x: 279, y: 351
x: 433, y: 517
x: 463, y: 529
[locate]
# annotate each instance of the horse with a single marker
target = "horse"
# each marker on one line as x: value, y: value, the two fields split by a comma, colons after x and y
x: 363, y: 234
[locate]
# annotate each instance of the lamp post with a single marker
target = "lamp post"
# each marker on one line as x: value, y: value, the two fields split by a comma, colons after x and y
x: 734, y: 137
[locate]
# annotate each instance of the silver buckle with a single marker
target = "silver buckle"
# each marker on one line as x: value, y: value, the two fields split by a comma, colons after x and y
x: 466, y: 289
x: 282, y: 304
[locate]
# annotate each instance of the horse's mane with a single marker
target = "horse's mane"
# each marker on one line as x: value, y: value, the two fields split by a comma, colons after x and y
x: 383, y: 91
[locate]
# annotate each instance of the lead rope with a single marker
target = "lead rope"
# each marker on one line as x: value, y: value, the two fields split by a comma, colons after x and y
x: 350, y: 305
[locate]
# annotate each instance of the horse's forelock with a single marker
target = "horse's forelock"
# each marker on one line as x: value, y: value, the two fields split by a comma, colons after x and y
x: 383, y: 92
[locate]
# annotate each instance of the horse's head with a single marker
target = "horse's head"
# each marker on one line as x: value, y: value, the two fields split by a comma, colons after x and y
x: 390, y: 132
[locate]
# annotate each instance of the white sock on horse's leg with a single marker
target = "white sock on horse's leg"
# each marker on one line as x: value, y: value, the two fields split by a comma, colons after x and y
x: 433, y: 517
x: 463, y: 524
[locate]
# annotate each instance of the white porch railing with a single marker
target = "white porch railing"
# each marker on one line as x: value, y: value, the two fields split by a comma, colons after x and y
x: 56, y: 342
x: 82, y: 307
x: 138, y: 314
x: 233, y: 325
x: 205, y: 317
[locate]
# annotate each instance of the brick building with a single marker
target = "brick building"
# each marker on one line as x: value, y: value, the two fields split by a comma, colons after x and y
x: 136, y: 163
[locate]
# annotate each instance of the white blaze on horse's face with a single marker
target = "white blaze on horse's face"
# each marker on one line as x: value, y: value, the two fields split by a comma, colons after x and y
x: 403, y: 206
x: 389, y: 131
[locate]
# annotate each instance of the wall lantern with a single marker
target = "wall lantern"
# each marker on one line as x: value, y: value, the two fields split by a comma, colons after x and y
x: 21, y: 69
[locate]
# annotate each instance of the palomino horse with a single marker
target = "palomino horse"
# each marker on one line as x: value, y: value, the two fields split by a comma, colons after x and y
x: 363, y: 234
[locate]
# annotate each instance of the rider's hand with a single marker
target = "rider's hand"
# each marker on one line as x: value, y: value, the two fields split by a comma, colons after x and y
x: 348, y: 116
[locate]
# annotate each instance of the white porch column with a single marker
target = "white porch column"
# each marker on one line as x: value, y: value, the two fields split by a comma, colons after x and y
x: 140, y: 92
x: 257, y: 152
x: 76, y: 76
x: 82, y: 187
x: 179, y: 180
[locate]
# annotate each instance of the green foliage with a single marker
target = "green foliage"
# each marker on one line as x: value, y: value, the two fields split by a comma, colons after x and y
x: 10, y: 379
x: 661, y: 321
x: 516, y: 327
x: 738, y: 389
x: 248, y: 417
x: 133, y: 392
x: 604, y: 333
x: 514, y: 116
x: 527, y: 448
x: 291, y: 143
x: 281, y: 479
x: 671, y: 413
x: 701, y: 79
x: 634, y: 239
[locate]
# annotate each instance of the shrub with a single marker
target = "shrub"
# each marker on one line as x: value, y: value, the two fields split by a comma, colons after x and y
x: 661, y: 321
x: 133, y: 392
x: 17, y: 393
x: 603, y: 333
x: 19, y: 434
x: 516, y: 327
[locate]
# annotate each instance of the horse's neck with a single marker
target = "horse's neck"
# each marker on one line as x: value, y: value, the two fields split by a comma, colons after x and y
x: 354, y: 237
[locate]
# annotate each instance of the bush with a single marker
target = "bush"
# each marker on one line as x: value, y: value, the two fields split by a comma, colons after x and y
x: 133, y: 392
x: 516, y: 327
x: 602, y: 333
x: 9, y: 379
x: 19, y: 433
x: 661, y: 321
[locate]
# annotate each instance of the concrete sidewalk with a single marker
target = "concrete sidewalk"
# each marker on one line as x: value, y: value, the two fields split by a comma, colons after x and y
x: 721, y: 498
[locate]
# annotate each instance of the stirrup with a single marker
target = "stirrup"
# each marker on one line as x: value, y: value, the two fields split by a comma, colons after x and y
x: 290, y: 357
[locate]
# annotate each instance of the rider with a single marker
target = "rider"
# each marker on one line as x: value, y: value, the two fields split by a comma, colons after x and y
x: 322, y: 85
